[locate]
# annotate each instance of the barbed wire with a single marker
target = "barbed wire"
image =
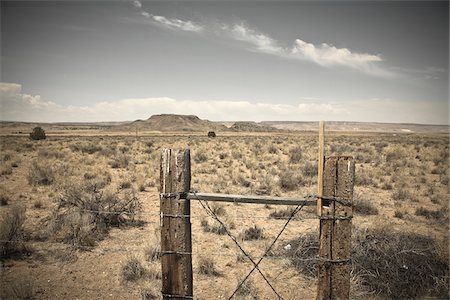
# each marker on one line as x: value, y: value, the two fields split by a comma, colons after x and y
x: 255, y: 260
x: 213, y: 214
x: 297, y: 209
x: 255, y: 265
x: 96, y: 249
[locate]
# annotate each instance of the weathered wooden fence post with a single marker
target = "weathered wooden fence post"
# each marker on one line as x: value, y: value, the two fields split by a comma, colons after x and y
x: 336, y: 229
x: 176, y: 245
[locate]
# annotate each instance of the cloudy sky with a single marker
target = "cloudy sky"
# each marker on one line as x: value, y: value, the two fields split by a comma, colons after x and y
x: 225, y: 60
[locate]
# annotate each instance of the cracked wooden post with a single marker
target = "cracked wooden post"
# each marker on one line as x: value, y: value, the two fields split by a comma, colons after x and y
x: 336, y: 229
x: 176, y: 245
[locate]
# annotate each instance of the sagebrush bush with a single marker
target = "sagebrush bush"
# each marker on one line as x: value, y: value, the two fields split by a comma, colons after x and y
x: 200, y: 157
x: 281, y: 213
x: 216, y: 228
x: 295, y: 155
x: 6, y: 169
x: 395, y: 155
x: 218, y: 209
x: 397, y: 265
x: 11, y: 231
x: 302, y: 252
x: 133, y: 269
x: 401, y: 194
x: 265, y: 185
x: 364, y: 179
x: 85, y: 213
x: 22, y: 288
x: 272, y: 149
x: 45, y: 172
x: 91, y: 148
x: 247, y: 288
x: 50, y: 153
x: 310, y: 169
x: 400, y: 265
x: 438, y: 215
x: 399, y: 214
x: 206, y: 266
x: 363, y: 206
x: 119, y: 161
x: 290, y: 180
x: 4, y: 197
x: 37, y: 134
x: 252, y: 233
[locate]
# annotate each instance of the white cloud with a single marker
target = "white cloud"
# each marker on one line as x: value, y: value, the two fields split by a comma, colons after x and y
x: 137, y: 3
x: 261, y: 41
x: 324, y: 55
x: 177, y: 24
x: 142, y: 108
x: 329, y: 55
x: 9, y: 90
x: 24, y: 107
x: 145, y: 14
x: 171, y: 23
x: 16, y: 106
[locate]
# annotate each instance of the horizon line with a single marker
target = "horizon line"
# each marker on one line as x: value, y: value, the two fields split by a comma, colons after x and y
x: 233, y: 121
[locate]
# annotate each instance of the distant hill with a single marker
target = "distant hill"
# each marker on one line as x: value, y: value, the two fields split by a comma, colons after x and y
x: 11, y: 127
x: 358, y: 126
x: 172, y: 123
x: 190, y: 123
x: 252, y: 127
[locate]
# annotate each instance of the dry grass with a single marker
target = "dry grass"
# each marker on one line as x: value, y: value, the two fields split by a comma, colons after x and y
x: 282, y: 213
x: 133, y: 269
x: 247, y: 289
x: 12, y: 232
x: 152, y: 252
x: 389, y: 264
x: 22, y: 289
x: 401, y: 180
x: 206, y: 266
x: 4, y: 196
x: 85, y: 213
x: 252, y: 233
x: 364, y: 206
x: 215, y: 228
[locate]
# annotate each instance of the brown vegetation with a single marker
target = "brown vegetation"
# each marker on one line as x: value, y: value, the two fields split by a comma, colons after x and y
x: 100, y: 193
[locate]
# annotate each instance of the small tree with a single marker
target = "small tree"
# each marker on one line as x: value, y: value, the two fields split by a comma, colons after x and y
x: 37, y: 134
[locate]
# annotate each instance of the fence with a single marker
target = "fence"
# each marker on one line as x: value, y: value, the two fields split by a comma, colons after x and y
x: 334, y: 203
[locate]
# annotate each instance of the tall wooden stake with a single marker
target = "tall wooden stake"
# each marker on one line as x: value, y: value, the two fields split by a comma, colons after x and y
x: 320, y: 166
x: 176, y: 245
x: 336, y: 229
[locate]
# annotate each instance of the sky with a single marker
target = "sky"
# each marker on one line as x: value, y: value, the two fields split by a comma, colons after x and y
x: 90, y: 61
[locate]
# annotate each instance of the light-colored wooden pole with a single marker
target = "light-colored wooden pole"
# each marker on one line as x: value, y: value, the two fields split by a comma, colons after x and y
x: 320, y: 166
x: 176, y: 244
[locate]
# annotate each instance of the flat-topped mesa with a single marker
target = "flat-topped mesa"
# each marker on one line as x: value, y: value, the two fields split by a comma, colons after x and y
x: 175, y: 123
x: 174, y: 116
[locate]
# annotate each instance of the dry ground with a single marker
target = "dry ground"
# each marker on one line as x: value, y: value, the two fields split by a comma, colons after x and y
x: 401, y: 186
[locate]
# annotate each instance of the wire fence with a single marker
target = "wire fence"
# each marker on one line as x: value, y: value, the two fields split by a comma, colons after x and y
x: 153, y: 219
x: 256, y: 263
